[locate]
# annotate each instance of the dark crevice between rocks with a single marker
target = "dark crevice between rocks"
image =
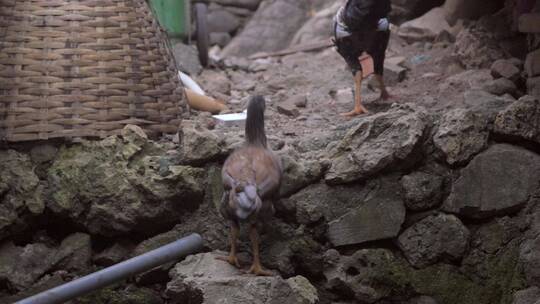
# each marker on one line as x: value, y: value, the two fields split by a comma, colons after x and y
x: 516, y: 141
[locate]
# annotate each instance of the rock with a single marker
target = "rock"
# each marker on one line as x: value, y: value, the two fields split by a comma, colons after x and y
x: 319, y: 27
x: 422, y: 190
x: 425, y: 28
x: 270, y: 29
x: 527, y: 296
x: 467, y: 9
x: 376, y: 143
x: 288, y: 108
x: 530, y: 257
x: 394, y: 74
x: 476, y: 48
x: 533, y: 86
x: 199, y: 146
x: 487, y: 104
x: 122, y: 295
x: 380, y: 276
x: 75, y: 253
x: 532, y: 64
x: 461, y: 135
x: 220, y: 39
x: 520, y: 120
x: 45, y: 283
x: 43, y: 153
x: 423, y: 300
x: 187, y: 58
x: 434, y: 238
x: 310, y: 205
x: 205, y: 279
x: 215, y: 82
x: 529, y: 23
x: 21, y: 194
x: 504, y: 68
x: 500, y: 87
x: 249, y: 4
x: 498, y: 181
x: 119, y: 185
x: 20, y: 267
x: 223, y: 21
x: 376, y: 219
x: 298, y: 172
x: 300, y: 101
x: 114, y: 254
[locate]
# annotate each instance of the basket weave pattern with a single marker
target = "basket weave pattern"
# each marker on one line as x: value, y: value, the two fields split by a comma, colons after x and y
x: 84, y: 68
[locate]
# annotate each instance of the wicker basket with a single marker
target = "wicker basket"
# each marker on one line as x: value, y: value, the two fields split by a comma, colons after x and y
x: 84, y: 68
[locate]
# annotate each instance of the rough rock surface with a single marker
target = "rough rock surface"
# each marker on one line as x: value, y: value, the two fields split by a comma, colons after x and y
x: 433, y: 238
x: 425, y: 28
x: 75, y: 254
x: 461, y: 135
x: 498, y: 181
x: 319, y: 27
x: 504, y: 68
x: 527, y: 296
x: 529, y: 256
x: 271, y: 28
x: 20, y: 267
x: 21, y: 193
x: 475, y: 48
x: 116, y: 185
x: 520, y: 120
x: 204, y: 279
x: 422, y: 190
x: 378, y: 218
x: 199, y: 146
x: 500, y: 87
x: 378, y: 141
x: 298, y: 172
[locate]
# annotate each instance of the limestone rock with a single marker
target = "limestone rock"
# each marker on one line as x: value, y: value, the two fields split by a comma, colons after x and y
x: 200, y: 146
x: 223, y: 21
x: 500, y: 87
x: 319, y: 27
x: 43, y: 153
x: 297, y: 172
x: 533, y: 86
x: 75, y: 253
x: 468, y: 9
x: 476, y: 48
x: 22, y: 266
x: 532, y: 64
x: 498, y: 181
x: 114, y: 254
x: 461, y: 135
x: 21, y: 194
x: 520, y: 120
x: 423, y: 300
x: 187, y: 58
x: 530, y: 257
x: 422, y: 190
x: 270, y: 29
x: 376, y: 219
x: 486, y: 104
x: 527, y: 296
x: 288, y: 108
x: 376, y: 143
x: 434, y: 238
x: 119, y: 185
x: 425, y: 28
x: 208, y: 280
x: 506, y: 69
x: 249, y: 4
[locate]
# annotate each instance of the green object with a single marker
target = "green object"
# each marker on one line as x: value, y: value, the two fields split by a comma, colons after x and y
x: 174, y: 16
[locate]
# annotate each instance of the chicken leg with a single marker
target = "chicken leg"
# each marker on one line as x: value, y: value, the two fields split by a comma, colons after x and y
x: 232, y: 258
x: 256, y: 267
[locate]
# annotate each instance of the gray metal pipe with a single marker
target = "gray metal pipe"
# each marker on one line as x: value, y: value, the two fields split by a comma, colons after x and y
x: 115, y: 273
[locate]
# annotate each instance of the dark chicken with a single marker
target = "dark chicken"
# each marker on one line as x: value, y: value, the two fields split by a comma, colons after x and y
x: 251, y: 179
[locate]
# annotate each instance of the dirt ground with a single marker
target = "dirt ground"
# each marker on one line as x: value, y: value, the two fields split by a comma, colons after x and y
x: 325, y: 80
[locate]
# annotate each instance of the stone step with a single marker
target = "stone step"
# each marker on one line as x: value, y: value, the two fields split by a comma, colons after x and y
x: 529, y: 23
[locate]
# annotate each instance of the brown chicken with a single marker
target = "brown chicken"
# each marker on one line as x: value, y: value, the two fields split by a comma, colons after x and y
x: 251, y: 179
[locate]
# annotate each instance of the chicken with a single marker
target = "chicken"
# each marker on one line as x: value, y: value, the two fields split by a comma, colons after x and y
x: 251, y: 178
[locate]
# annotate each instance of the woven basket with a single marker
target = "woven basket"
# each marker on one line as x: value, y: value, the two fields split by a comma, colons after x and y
x: 84, y: 68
